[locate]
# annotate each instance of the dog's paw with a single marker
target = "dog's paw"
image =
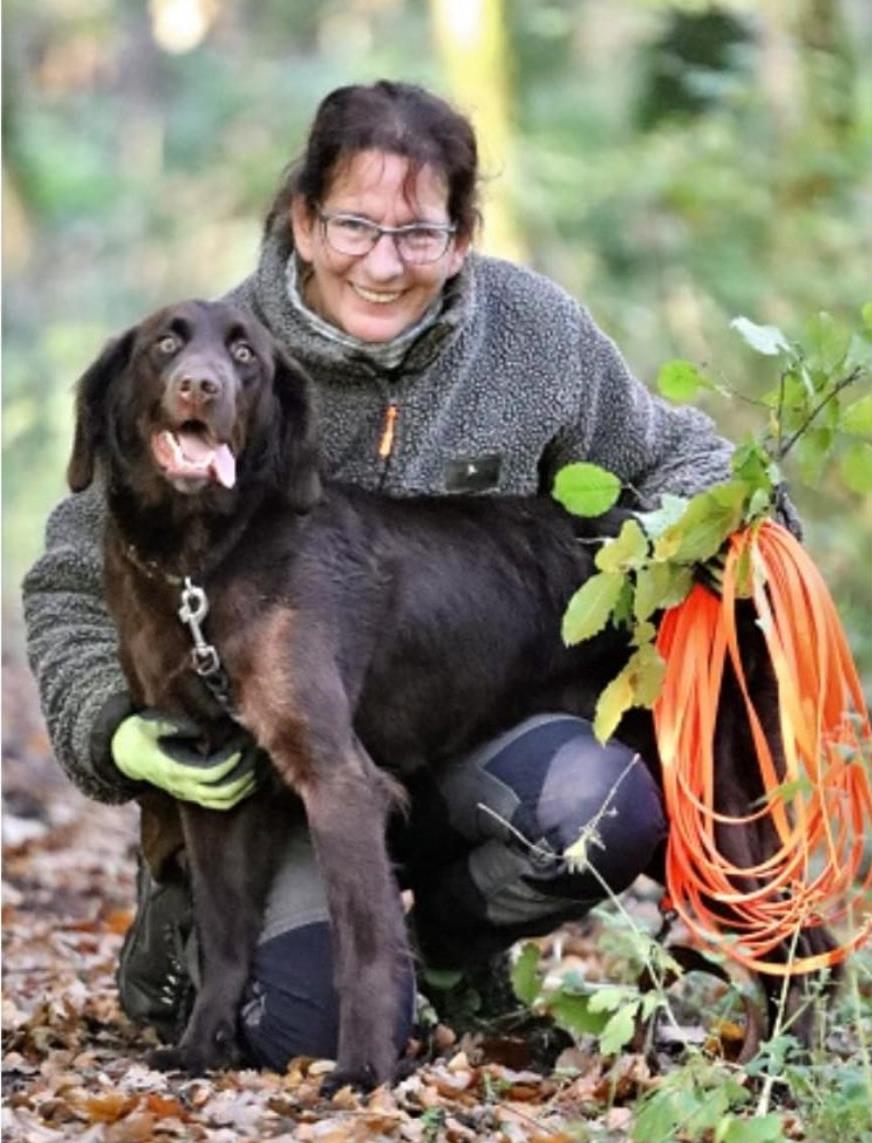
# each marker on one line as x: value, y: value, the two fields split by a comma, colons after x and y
x: 166, y: 1060
x: 222, y: 1054
x: 359, y: 1079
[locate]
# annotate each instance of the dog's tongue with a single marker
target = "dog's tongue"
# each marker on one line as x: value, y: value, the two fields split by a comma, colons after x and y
x: 217, y: 460
x: 224, y: 466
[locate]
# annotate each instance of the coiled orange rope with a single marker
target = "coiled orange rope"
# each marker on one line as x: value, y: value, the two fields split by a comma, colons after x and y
x: 819, y: 808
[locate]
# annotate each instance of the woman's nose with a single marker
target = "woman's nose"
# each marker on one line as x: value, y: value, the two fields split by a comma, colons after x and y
x: 383, y: 261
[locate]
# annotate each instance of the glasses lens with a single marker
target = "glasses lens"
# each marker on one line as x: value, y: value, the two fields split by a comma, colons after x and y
x: 422, y: 243
x: 349, y: 235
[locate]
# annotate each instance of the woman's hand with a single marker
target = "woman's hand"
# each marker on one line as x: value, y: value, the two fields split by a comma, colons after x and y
x: 152, y: 747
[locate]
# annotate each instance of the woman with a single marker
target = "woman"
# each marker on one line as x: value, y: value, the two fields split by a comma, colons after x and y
x: 439, y: 371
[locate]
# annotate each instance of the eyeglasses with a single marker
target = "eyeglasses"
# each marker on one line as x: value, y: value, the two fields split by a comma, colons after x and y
x: 416, y: 244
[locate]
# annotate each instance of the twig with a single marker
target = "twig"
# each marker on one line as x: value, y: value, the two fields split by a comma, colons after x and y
x: 784, y: 449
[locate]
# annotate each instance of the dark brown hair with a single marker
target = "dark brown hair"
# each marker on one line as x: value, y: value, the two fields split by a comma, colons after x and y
x: 398, y: 119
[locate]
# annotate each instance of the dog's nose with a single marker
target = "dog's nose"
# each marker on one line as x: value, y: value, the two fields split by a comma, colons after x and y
x: 197, y: 389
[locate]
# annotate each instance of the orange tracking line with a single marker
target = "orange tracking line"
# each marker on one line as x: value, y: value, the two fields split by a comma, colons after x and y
x: 818, y: 802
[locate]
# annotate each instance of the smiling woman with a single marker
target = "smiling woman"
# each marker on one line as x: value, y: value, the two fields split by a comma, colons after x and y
x: 370, y: 246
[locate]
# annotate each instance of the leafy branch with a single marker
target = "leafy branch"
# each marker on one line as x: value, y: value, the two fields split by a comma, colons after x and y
x: 654, y: 561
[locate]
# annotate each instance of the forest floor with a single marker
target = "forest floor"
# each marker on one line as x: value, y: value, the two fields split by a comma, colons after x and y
x: 74, y: 1067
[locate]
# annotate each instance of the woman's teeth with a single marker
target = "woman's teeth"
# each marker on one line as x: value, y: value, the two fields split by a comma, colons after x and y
x: 377, y: 297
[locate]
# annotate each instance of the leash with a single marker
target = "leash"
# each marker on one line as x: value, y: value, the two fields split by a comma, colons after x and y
x: 192, y: 612
x: 205, y: 660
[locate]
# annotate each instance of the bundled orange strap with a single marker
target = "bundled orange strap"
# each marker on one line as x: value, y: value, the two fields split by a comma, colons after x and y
x: 818, y: 802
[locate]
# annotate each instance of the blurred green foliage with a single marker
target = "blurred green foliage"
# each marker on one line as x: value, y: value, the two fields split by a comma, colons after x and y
x: 672, y: 164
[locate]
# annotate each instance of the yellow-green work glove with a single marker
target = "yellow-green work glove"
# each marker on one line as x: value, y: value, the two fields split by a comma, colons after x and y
x: 152, y: 747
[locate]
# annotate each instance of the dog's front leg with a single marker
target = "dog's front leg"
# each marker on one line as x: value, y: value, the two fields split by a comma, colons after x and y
x: 347, y: 808
x: 231, y: 865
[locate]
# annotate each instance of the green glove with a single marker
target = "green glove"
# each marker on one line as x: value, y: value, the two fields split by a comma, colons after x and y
x: 152, y: 747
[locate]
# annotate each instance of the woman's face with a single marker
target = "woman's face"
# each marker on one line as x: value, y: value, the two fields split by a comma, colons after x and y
x: 375, y: 296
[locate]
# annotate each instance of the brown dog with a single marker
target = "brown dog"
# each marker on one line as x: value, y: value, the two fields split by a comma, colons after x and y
x: 319, y: 598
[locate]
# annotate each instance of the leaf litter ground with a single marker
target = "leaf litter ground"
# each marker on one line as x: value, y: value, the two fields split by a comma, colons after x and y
x: 74, y: 1066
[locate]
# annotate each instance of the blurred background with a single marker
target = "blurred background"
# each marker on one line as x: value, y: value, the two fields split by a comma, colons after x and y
x: 672, y: 164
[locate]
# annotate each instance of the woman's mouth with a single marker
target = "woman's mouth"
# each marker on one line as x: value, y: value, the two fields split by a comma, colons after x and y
x: 376, y: 297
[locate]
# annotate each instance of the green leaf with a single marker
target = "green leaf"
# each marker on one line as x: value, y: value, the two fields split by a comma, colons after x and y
x: 752, y: 464
x: 812, y: 452
x: 855, y: 467
x: 612, y: 997
x: 589, y: 609
x: 866, y: 314
x: 656, y: 522
x: 791, y: 401
x: 644, y: 633
x: 857, y: 417
x: 659, y: 586
x: 760, y: 504
x: 627, y: 550
x: 615, y: 699
x: 681, y: 380
x: 709, y: 519
x: 826, y: 342
x: 665, y: 1109
x: 586, y: 489
x: 525, y: 974
x: 859, y: 352
x: 646, y: 669
x: 622, y: 612
x: 620, y: 1029
x: 573, y: 1013
x: 763, y: 1129
x: 766, y: 339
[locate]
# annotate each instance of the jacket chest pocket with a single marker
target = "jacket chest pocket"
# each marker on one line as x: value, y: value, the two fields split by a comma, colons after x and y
x: 473, y: 473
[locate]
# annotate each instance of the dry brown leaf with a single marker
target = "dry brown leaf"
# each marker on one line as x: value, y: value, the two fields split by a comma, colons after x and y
x: 618, y: 1118
x: 346, y: 1098
x: 136, y: 1128
x: 108, y: 1108
x: 165, y: 1107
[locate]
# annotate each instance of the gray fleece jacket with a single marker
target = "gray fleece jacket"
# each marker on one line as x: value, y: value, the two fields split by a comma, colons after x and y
x: 512, y: 381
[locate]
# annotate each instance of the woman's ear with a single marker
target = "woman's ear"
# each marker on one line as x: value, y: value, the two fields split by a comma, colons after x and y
x: 303, y: 224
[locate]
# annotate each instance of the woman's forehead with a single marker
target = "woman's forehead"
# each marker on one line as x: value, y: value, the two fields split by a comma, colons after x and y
x: 382, y: 177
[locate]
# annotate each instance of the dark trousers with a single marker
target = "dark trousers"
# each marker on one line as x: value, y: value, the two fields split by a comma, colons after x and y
x: 481, y: 849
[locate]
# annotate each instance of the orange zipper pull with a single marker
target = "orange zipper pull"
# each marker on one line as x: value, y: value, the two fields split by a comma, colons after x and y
x: 386, y: 442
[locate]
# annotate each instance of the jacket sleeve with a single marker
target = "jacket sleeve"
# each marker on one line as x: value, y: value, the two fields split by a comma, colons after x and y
x: 617, y: 423
x: 72, y: 647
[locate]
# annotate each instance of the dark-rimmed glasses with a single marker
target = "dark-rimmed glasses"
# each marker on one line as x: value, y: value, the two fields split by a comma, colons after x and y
x: 417, y: 243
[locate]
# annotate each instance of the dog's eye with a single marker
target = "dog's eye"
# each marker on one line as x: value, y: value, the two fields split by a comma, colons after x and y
x: 169, y: 343
x: 242, y: 351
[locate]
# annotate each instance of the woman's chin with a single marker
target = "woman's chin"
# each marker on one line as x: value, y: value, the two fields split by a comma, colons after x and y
x: 376, y: 327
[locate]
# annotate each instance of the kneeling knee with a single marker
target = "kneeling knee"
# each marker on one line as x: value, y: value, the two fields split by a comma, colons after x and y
x: 608, y: 792
x: 292, y: 1007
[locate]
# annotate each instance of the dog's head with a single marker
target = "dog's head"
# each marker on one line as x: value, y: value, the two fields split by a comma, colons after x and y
x: 197, y: 398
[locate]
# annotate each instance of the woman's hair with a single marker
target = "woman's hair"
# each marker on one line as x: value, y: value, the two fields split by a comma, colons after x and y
x: 398, y: 119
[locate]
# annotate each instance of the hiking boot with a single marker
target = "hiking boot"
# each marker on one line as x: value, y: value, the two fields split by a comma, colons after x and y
x: 154, y: 974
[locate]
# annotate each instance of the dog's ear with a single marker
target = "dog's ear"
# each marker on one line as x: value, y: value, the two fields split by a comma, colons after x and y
x: 293, y: 459
x: 91, y: 395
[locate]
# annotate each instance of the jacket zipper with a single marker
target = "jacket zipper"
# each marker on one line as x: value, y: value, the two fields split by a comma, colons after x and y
x: 386, y: 440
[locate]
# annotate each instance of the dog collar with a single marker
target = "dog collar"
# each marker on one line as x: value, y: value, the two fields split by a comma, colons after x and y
x: 151, y: 568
